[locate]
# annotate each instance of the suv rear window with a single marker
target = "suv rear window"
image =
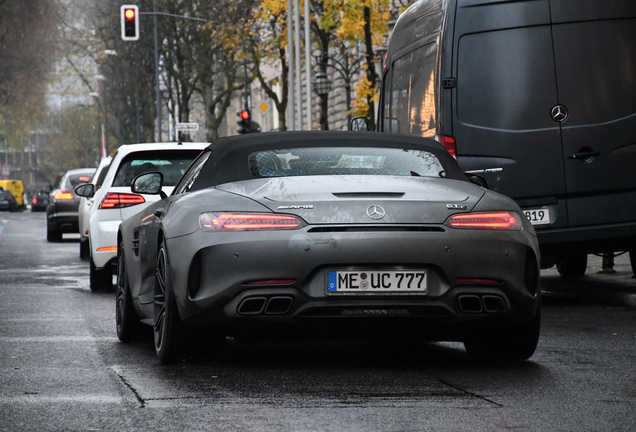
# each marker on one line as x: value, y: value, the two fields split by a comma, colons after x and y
x: 171, y: 163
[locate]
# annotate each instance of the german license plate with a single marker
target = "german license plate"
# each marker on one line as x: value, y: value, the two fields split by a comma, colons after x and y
x: 539, y: 216
x: 377, y: 282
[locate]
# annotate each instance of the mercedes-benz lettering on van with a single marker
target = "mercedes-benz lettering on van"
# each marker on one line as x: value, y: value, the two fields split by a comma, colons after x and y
x: 539, y: 98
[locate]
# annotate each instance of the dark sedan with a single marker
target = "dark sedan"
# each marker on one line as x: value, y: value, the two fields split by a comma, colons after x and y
x: 40, y: 199
x: 62, y: 209
x: 7, y: 200
x: 329, y: 235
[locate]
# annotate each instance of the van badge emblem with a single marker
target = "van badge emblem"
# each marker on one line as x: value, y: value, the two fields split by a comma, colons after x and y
x: 375, y: 212
x: 559, y: 113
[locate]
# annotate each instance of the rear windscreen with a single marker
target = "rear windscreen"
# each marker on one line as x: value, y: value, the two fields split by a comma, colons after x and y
x: 76, y: 179
x: 345, y: 161
x: 172, y: 164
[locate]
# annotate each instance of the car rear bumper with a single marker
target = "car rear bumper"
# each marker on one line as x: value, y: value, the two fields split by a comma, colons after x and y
x: 65, y: 222
x: 210, y: 281
x: 103, y: 241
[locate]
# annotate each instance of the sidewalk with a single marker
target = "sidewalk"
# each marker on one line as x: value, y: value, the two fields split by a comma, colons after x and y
x: 616, y: 289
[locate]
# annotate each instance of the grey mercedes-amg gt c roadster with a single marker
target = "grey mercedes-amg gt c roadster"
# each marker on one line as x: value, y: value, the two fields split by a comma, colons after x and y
x: 328, y: 235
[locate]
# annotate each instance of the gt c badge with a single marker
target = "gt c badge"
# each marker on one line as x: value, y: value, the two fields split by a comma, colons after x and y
x: 296, y: 207
x: 375, y: 212
x: 455, y: 207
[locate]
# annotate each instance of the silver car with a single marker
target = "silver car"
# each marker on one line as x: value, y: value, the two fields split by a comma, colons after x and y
x: 328, y: 235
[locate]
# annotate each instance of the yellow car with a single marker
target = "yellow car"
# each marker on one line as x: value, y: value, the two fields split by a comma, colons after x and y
x: 17, y: 190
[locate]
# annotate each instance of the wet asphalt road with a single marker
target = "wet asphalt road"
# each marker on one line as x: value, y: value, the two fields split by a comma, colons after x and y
x: 62, y: 367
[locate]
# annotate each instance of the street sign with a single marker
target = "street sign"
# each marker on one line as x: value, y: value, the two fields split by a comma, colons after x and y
x: 5, y: 171
x: 187, y: 127
x: 264, y: 107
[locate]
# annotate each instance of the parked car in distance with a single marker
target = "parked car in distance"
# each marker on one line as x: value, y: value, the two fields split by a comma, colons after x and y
x: 40, y: 199
x: 114, y: 202
x: 330, y: 235
x: 61, y: 212
x: 7, y: 200
x: 85, y: 205
x: 17, y: 190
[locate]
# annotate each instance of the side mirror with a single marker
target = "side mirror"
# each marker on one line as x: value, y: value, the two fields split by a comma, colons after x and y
x: 391, y: 125
x: 86, y: 190
x: 148, y: 183
x: 359, y: 124
x: 478, y: 180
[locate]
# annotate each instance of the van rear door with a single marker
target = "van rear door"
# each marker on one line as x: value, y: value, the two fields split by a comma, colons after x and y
x: 596, y: 80
x: 506, y: 88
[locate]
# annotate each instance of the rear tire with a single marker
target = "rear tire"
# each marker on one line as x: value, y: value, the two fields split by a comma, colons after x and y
x: 53, y: 235
x: 100, y: 279
x: 168, y: 328
x: 84, y: 249
x: 127, y: 322
x: 572, y: 265
x: 514, y: 345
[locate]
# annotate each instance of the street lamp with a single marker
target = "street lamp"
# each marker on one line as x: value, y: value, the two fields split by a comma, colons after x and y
x: 322, y: 85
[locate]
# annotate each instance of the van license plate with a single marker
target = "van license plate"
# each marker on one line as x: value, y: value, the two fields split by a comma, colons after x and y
x: 377, y: 282
x: 540, y: 216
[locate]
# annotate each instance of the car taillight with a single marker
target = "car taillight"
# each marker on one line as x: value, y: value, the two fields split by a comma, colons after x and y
x: 248, y: 221
x: 493, y: 220
x: 449, y: 144
x: 34, y: 200
x: 120, y: 200
x: 63, y: 195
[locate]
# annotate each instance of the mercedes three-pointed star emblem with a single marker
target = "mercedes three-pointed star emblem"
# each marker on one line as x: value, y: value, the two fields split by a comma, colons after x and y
x: 375, y: 212
x: 559, y: 113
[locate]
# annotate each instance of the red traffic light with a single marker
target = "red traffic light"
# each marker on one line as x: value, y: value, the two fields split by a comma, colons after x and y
x: 244, y: 114
x: 129, y: 22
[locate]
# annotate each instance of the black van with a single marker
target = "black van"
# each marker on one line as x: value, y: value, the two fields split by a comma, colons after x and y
x: 536, y: 96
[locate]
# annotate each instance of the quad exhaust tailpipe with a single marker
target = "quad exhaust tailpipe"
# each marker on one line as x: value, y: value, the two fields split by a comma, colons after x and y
x: 275, y: 305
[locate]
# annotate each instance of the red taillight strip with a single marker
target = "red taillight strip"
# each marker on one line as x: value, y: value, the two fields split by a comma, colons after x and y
x: 248, y: 221
x: 119, y: 200
x: 495, y: 221
x: 477, y: 281
x: 271, y: 282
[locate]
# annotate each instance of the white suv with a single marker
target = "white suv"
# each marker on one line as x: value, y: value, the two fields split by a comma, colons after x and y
x: 114, y: 201
x: 85, y: 205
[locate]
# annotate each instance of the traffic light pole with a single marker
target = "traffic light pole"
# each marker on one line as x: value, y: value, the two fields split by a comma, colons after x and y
x: 154, y: 8
x: 154, y: 14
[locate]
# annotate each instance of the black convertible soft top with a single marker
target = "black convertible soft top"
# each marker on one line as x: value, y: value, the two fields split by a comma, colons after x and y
x: 229, y: 159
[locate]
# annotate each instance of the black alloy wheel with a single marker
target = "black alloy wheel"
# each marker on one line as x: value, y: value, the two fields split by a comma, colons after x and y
x: 168, y: 331
x: 127, y: 322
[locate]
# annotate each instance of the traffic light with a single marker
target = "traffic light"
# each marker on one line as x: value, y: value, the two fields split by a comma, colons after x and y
x: 129, y: 22
x: 245, y: 122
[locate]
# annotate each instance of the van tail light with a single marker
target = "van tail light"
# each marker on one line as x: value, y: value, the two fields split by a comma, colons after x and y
x: 114, y: 200
x: 493, y: 221
x: 63, y: 195
x: 249, y: 222
x: 449, y: 144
